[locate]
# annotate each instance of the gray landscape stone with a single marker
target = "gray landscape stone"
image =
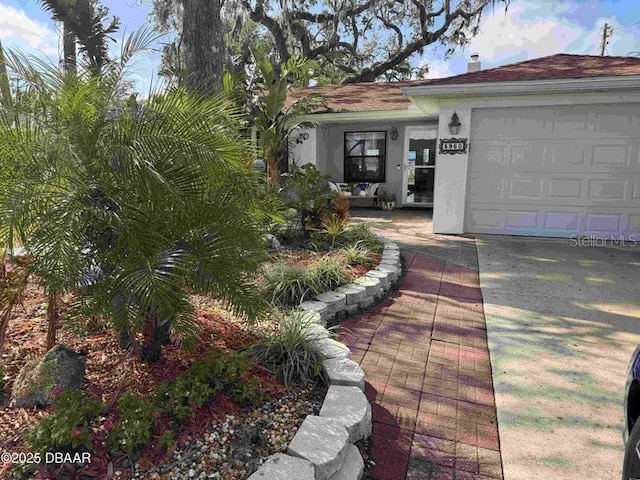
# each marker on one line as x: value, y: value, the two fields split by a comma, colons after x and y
x: 370, y: 284
x: 391, y: 270
x: 285, y: 467
x: 60, y: 367
x: 351, y: 309
x: 382, y: 277
x: 345, y: 372
x: 355, y: 293
x: 318, y: 307
x: 390, y: 261
x: 330, y: 348
x: 391, y: 246
x: 308, y: 316
x: 367, y: 302
x: 350, y: 407
x: 352, y: 467
x: 322, y: 441
x: 316, y: 331
x: 335, y: 301
x: 391, y: 255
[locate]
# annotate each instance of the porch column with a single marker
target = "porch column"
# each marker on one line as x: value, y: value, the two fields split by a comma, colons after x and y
x: 451, y: 175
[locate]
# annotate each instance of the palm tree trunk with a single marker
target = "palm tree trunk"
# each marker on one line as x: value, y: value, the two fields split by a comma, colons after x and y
x: 69, y: 48
x: 204, y: 47
x: 53, y: 317
x: 5, y: 89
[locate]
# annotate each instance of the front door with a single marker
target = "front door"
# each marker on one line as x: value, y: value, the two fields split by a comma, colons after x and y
x: 419, y: 166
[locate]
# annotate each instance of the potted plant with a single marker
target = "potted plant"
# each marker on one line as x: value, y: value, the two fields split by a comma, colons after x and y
x: 388, y: 200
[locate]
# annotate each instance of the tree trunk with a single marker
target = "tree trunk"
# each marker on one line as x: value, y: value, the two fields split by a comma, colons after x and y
x: 69, y: 48
x: 53, y: 319
x: 5, y: 90
x: 203, y: 44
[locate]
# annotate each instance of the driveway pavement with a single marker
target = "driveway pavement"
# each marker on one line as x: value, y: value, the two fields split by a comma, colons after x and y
x: 562, y: 323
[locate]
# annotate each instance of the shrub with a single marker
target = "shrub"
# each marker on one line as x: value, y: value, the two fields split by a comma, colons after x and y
x: 361, y: 233
x: 134, y: 428
x: 341, y: 206
x: 289, y: 285
x: 307, y: 193
x: 218, y: 372
x: 329, y: 273
x: 359, y: 254
x: 290, y: 354
x: 66, y: 429
x: 333, y: 226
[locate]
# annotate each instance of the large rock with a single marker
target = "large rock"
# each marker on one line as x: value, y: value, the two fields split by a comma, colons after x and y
x: 343, y: 371
x: 60, y: 367
x: 284, y: 467
x: 322, y: 441
x: 350, y: 407
x: 335, y: 301
x: 352, y: 467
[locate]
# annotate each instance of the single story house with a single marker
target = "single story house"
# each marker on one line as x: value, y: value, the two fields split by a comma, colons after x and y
x: 545, y: 147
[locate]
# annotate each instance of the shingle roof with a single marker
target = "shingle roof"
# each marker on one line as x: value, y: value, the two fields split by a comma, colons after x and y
x: 554, y: 67
x: 359, y: 97
x: 368, y: 97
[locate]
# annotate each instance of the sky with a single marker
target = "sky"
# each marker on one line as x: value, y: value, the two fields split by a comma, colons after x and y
x: 529, y: 29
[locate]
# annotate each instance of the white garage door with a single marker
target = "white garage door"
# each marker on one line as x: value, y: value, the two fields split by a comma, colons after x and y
x: 555, y: 171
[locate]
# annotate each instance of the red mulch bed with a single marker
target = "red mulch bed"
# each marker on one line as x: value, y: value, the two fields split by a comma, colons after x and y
x: 110, y: 371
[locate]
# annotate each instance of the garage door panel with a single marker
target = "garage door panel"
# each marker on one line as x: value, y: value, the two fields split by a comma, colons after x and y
x: 607, y: 190
x: 555, y: 171
x: 565, y: 190
x: 568, y: 222
x: 621, y: 121
x: 603, y: 223
x: 610, y: 154
x: 598, y: 156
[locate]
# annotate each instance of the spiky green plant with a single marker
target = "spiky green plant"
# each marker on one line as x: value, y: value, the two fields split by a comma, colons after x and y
x: 360, y: 233
x: 329, y: 273
x: 134, y: 208
x: 287, y: 284
x: 359, y: 254
x: 290, y: 353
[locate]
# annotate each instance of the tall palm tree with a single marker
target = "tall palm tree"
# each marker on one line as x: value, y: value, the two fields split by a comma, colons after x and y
x: 131, y: 208
x: 83, y: 21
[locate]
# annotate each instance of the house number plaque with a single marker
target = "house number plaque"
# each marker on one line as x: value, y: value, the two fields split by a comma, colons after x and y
x: 453, y: 145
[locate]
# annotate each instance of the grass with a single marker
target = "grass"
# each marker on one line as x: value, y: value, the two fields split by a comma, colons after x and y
x: 289, y: 284
x: 290, y: 353
x: 329, y: 273
x: 359, y: 254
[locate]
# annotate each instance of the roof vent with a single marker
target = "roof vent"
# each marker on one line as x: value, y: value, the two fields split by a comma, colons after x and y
x: 474, y: 65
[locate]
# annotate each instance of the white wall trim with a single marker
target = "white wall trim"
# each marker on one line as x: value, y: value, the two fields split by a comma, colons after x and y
x: 529, y: 87
x: 351, y: 117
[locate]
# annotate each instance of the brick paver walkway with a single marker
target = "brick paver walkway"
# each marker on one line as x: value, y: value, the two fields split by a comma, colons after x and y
x: 428, y: 376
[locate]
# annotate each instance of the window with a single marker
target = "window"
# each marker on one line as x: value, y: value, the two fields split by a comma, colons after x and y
x: 365, y: 156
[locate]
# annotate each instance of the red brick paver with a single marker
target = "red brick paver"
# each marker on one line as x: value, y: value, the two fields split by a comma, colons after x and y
x: 428, y: 377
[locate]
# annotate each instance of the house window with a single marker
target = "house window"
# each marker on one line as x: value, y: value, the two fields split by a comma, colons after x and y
x: 365, y: 156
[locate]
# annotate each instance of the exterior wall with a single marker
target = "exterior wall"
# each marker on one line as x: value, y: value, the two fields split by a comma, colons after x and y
x: 301, y: 150
x: 330, y: 150
x: 451, y: 176
x: 451, y: 179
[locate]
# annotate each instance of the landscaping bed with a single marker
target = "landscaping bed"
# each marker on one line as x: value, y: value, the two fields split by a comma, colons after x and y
x: 226, y: 435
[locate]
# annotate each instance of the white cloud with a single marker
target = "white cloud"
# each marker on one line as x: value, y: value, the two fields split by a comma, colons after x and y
x: 17, y: 26
x: 440, y: 69
x: 527, y: 30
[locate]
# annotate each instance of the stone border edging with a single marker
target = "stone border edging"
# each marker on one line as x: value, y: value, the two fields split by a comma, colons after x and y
x: 324, y: 444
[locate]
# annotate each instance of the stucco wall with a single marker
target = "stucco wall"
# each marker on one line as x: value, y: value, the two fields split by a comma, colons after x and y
x: 330, y: 150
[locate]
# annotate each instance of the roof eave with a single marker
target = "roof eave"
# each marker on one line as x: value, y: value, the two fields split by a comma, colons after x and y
x: 527, y: 87
x: 338, y: 117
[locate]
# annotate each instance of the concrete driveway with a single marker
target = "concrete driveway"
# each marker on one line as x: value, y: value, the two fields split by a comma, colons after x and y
x: 562, y: 323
